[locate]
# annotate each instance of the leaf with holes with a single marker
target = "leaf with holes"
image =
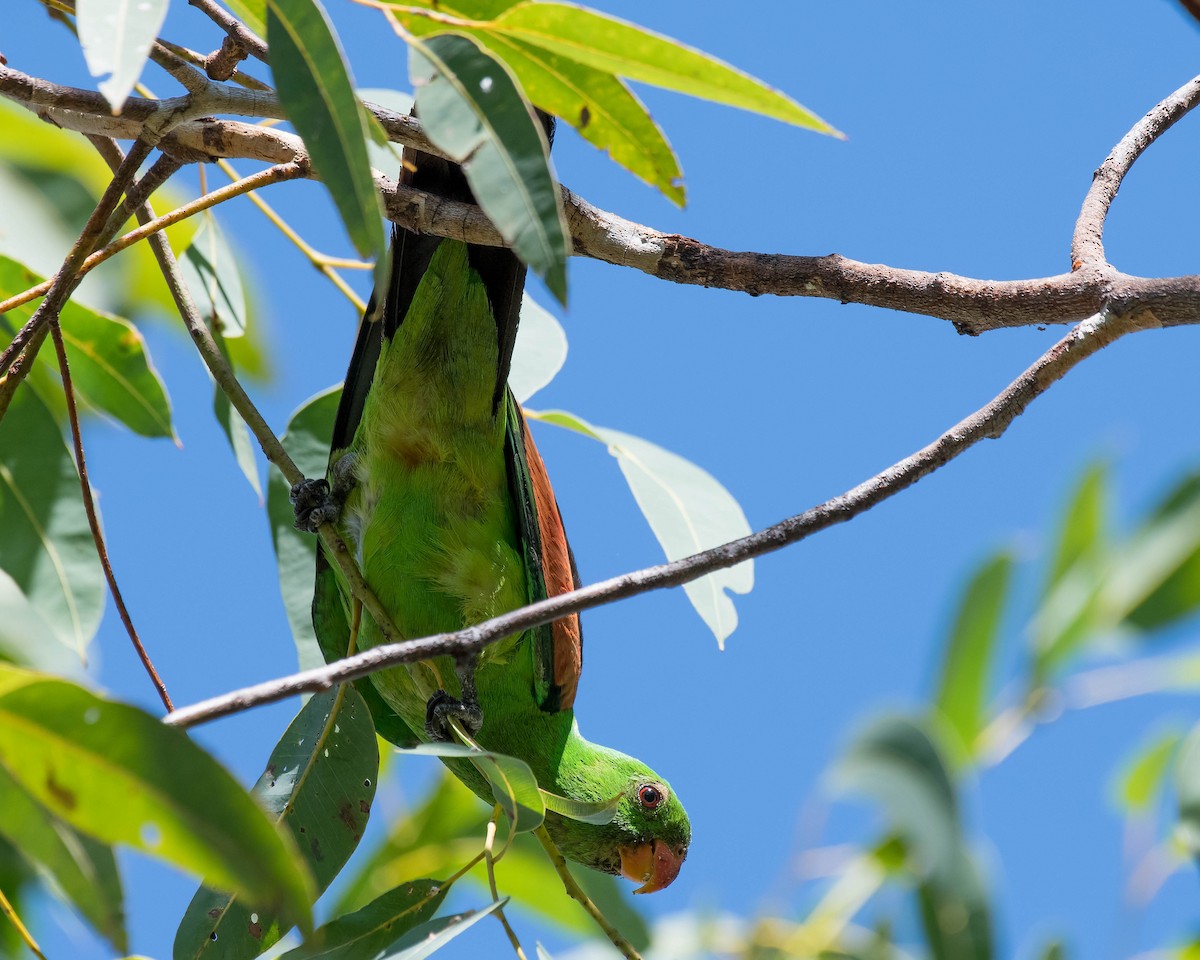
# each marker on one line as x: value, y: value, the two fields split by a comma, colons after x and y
x: 319, y: 783
x: 117, y: 773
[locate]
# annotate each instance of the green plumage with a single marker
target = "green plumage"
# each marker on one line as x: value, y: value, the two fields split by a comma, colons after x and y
x: 442, y: 521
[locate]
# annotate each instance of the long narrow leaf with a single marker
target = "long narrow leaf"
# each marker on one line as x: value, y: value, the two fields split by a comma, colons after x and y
x: 116, y: 36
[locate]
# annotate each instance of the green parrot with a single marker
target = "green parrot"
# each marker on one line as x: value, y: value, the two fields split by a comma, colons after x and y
x: 437, y: 488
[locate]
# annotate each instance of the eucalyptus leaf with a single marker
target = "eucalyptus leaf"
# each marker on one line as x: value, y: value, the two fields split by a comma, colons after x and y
x: 597, y: 813
x: 385, y: 157
x: 688, y: 510
x: 253, y: 13
x: 375, y: 928
x: 1082, y: 535
x: 316, y: 91
x: 319, y: 784
x: 432, y: 935
x: 473, y: 110
x: 513, y: 783
x: 236, y: 431
x: 1187, y: 790
x: 209, y: 268
x: 116, y: 36
x: 540, y: 350
x: 80, y: 869
x: 1143, y: 777
x: 962, y: 693
x: 115, y: 772
x: 47, y: 547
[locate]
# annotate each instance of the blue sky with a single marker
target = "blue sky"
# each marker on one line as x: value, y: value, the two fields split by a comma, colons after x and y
x: 973, y: 131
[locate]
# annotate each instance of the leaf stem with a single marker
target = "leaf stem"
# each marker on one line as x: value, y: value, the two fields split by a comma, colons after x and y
x: 6, y: 908
x: 575, y: 891
x: 490, y: 860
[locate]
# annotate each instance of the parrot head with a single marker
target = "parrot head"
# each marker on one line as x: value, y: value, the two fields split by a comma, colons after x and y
x: 648, y: 837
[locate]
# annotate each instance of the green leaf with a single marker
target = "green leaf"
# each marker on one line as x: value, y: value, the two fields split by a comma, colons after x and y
x: 118, y: 774
x: 81, y: 870
x: 962, y: 694
x: 317, y: 94
x: 955, y: 913
x: 377, y: 926
x: 599, y: 105
x: 209, y: 268
x: 597, y: 813
x: 540, y: 350
x: 110, y: 368
x: 307, y: 443
x: 253, y: 13
x: 896, y: 762
x: 319, y: 783
x: 26, y: 639
x: 386, y: 156
x: 116, y: 36
x: 1169, y: 545
x: 432, y: 935
x: 1081, y: 535
x: 1139, y: 785
x: 687, y: 509
x: 620, y: 48
x: 1187, y: 789
x: 473, y: 110
x: 513, y: 783
x: 47, y: 546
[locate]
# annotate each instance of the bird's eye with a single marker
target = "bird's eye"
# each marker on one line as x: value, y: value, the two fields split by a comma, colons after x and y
x: 650, y: 797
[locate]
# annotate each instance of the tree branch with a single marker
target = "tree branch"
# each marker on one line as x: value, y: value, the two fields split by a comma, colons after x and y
x: 989, y: 421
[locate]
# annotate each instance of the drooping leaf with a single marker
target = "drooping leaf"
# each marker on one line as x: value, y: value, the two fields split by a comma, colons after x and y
x: 473, y: 110
x: 116, y: 36
x: 687, y: 509
x: 1143, y: 777
x: 236, y: 431
x: 598, y: 813
x: 307, y: 443
x: 317, y: 93
x: 432, y: 935
x: 47, y: 546
x: 599, y: 105
x: 209, y: 268
x: 962, y: 693
x: 319, y: 784
x: 513, y: 783
x: 540, y: 351
x: 625, y: 50
x: 375, y: 928
x: 115, y: 772
x: 110, y: 368
x: 83, y: 870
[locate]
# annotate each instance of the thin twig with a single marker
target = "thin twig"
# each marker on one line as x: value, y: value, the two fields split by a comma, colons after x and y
x: 89, y: 507
x: 576, y: 893
x: 990, y: 421
x: 276, y: 174
x: 7, y: 909
x: 488, y: 844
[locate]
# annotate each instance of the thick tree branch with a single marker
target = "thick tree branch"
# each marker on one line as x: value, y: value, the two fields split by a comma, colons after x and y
x: 989, y: 421
x: 973, y: 306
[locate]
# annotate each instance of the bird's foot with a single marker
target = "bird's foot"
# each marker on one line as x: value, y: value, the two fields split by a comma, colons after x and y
x: 315, y: 501
x: 442, y: 708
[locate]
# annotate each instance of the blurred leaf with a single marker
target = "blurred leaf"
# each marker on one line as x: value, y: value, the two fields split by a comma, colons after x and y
x: 369, y: 932
x: 962, y: 693
x: 599, y: 105
x: 1055, y: 949
x: 432, y: 935
x: 47, y: 546
x: 955, y: 912
x: 473, y: 110
x: 253, y: 13
x: 513, y: 783
x: 1187, y: 789
x: 540, y: 351
x: 82, y: 870
x: 26, y: 639
x: 209, y: 268
x: 307, y: 443
x: 896, y: 762
x: 1144, y: 774
x: 110, y: 368
x: 1081, y: 535
x: 687, y: 509
x: 16, y: 877
x: 1169, y: 545
x: 317, y: 94
x: 319, y: 783
x: 117, y: 773
x: 116, y: 36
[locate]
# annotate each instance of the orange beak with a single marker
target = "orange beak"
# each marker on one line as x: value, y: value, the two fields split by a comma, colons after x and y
x: 652, y: 864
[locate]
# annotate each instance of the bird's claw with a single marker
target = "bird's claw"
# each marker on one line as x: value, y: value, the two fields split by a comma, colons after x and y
x: 442, y: 708
x: 315, y: 502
